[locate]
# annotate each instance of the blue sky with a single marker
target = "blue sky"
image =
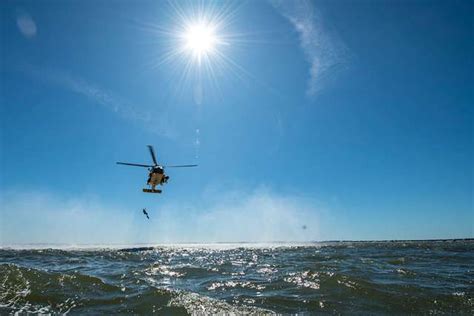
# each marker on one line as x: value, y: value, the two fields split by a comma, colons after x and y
x: 353, y: 118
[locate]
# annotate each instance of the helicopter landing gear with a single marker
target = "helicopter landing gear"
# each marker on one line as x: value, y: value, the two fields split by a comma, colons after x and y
x: 151, y: 191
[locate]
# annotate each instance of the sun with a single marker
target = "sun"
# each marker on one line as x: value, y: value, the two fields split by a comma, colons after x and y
x: 200, y: 39
x: 198, y: 44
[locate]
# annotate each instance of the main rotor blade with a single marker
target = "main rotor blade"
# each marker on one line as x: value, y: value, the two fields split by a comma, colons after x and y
x: 152, y: 153
x: 133, y: 164
x: 180, y: 166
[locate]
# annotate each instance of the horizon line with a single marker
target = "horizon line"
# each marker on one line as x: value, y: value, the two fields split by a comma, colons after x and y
x: 155, y: 245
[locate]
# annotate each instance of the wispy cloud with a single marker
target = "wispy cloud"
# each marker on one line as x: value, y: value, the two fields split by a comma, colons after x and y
x: 43, y: 217
x: 325, y: 52
x: 256, y: 216
x: 101, y: 96
x: 26, y: 25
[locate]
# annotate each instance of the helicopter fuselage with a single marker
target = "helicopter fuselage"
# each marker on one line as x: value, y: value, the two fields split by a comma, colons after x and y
x: 157, y: 176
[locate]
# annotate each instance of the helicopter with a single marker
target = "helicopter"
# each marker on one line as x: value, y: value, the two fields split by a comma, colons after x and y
x: 156, y: 172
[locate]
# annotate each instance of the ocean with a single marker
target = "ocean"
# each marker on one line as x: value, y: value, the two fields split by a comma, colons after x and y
x: 399, y: 277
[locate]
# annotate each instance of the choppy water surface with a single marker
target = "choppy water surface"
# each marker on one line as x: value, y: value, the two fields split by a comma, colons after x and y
x: 344, y: 277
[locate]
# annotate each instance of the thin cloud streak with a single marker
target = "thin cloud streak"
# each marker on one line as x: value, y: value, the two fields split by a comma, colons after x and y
x: 325, y: 53
x: 102, y: 97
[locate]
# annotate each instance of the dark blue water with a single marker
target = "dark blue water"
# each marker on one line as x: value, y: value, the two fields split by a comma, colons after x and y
x: 342, y: 278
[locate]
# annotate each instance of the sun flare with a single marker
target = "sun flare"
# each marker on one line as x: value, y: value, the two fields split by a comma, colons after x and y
x: 199, y: 43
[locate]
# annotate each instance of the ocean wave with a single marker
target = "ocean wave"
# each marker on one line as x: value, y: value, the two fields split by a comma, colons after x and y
x: 360, y: 278
x: 28, y: 290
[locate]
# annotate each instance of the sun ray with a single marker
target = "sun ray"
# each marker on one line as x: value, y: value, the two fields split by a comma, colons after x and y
x: 196, y: 43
